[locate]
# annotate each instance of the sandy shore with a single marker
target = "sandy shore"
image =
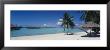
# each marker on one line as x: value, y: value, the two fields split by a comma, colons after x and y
x: 58, y: 36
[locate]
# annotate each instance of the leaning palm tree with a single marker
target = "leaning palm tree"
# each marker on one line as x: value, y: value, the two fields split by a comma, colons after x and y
x: 93, y: 16
x: 67, y: 22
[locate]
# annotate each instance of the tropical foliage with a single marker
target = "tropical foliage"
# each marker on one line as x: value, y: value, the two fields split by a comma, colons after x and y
x: 67, y: 22
x: 93, y: 16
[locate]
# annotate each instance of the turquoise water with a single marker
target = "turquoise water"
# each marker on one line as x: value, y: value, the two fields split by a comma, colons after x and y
x: 40, y: 31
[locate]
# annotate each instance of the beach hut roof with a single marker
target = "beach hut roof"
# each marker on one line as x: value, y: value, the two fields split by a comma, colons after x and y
x: 90, y: 24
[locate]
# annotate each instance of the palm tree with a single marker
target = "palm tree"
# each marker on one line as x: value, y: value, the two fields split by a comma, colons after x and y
x: 67, y: 22
x: 93, y: 16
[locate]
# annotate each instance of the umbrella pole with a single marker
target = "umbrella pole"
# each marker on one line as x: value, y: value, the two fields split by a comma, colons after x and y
x: 90, y: 30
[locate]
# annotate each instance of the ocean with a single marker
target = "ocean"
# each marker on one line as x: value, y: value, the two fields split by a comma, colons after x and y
x: 40, y: 31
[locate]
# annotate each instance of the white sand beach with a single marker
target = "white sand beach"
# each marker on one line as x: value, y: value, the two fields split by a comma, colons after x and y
x: 58, y: 36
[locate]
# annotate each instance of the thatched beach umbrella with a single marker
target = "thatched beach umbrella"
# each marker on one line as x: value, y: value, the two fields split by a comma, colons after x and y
x: 90, y: 25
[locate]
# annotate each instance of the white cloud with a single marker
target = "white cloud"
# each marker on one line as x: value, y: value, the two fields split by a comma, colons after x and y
x: 59, y: 23
x: 45, y: 24
x: 77, y: 24
x: 60, y: 19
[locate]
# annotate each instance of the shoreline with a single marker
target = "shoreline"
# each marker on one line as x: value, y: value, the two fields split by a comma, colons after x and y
x: 57, y: 36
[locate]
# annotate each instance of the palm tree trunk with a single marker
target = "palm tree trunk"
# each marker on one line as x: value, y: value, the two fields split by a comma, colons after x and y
x: 64, y: 29
x: 67, y: 29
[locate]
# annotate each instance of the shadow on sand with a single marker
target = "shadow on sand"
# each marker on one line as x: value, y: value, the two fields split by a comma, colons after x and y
x: 93, y: 34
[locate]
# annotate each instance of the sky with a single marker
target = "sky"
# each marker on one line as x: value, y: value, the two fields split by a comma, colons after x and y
x: 42, y: 17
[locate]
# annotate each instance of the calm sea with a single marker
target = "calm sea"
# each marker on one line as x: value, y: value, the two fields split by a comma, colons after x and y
x: 40, y: 31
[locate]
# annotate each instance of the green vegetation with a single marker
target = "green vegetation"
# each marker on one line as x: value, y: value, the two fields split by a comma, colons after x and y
x: 67, y: 22
x: 93, y: 16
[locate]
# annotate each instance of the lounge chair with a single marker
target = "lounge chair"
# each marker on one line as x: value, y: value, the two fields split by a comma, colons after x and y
x: 69, y: 33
